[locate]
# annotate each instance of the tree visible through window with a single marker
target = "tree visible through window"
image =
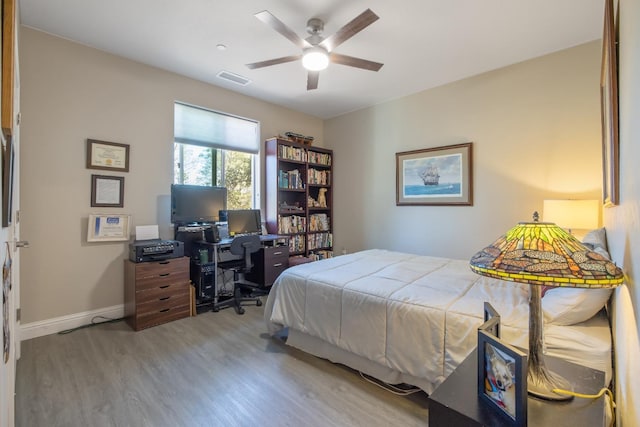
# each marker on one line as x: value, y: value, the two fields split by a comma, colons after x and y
x: 195, y: 165
x: 209, y: 161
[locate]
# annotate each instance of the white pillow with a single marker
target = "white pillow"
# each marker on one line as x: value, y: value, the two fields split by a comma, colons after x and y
x: 596, y: 238
x: 567, y: 306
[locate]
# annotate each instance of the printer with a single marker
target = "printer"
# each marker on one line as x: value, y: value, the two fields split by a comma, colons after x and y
x: 155, y: 250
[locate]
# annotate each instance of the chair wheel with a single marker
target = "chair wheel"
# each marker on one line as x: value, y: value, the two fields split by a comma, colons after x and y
x: 240, y: 310
x: 258, y: 303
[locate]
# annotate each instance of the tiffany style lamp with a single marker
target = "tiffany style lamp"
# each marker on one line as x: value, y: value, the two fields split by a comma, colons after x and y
x: 543, y: 254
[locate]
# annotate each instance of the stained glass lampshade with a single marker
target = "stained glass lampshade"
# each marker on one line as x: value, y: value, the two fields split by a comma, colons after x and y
x: 543, y: 254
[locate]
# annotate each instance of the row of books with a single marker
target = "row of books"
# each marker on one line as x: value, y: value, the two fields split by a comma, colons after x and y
x: 291, y: 224
x: 319, y: 222
x: 318, y: 177
x: 290, y: 179
x: 319, y: 158
x: 318, y: 255
x: 292, y: 153
x: 296, y: 244
x: 320, y: 240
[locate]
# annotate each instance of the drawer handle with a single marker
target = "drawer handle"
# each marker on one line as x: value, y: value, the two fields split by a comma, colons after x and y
x: 164, y: 262
x: 165, y: 310
x: 164, y: 298
x: 277, y: 265
x: 164, y: 286
x: 278, y: 253
x: 164, y: 274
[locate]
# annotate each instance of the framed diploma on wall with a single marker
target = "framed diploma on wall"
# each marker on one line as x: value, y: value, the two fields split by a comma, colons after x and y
x: 107, y: 155
x: 107, y: 191
x: 108, y: 228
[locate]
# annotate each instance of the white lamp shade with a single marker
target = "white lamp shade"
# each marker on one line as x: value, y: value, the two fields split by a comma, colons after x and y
x: 572, y: 214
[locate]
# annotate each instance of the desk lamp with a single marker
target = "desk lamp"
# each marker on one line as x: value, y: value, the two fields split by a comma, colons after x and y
x: 543, y: 254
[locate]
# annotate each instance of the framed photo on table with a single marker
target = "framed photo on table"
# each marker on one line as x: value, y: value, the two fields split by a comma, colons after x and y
x: 435, y: 176
x: 108, y: 228
x: 107, y: 155
x: 107, y: 191
x: 502, y: 377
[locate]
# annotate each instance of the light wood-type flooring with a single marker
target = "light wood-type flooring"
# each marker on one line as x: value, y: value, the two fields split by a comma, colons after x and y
x: 214, y: 369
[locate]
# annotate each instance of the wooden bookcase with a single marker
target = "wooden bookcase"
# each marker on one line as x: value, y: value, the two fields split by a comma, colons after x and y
x: 298, y: 176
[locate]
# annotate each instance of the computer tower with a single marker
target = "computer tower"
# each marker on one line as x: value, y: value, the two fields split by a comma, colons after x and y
x: 203, y: 278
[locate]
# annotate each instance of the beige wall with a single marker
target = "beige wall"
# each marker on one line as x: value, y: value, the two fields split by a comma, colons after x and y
x: 536, y: 133
x: 70, y: 93
x: 623, y: 221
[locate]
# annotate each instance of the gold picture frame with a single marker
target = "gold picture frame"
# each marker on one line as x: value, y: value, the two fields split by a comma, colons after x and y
x: 609, y: 110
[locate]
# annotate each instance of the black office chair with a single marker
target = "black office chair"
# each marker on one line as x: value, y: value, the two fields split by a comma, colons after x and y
x: 243, y: 246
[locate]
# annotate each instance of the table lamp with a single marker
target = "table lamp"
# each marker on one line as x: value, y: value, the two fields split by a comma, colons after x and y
x: 544, y: 254
x: 572, y: 214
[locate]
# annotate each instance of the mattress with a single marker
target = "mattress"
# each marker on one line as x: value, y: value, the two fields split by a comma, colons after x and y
x: 409, y: 318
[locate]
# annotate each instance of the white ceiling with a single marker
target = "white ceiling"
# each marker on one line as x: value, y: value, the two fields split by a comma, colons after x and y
x: 423, y: 43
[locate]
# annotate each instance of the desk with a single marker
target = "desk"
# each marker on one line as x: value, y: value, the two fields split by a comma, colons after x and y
x: 269, y: 262
x: 456, y: 403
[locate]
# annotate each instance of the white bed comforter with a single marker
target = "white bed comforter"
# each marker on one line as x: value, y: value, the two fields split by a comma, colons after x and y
x: 414, y: 314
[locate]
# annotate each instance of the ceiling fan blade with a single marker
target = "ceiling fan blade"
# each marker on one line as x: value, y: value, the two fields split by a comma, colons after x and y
x: 312, y: 80
x: 351, y: 61
x: 274, y: 61
x: 266, y: 17
x: 352, y: 28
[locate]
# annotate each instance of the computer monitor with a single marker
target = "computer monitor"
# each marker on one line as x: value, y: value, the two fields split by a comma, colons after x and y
x: 244, y: 221
x: 196, y: 204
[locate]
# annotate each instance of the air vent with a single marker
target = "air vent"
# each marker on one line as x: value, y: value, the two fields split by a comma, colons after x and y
x: 232, y: 77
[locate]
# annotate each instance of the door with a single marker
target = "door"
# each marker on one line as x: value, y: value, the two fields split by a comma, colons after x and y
x: 10, y: 229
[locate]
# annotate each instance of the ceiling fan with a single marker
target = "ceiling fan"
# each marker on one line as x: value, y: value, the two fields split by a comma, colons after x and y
x: 317, y: 51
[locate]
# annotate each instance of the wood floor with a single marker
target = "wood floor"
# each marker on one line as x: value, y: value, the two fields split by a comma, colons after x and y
x: 215, y: 369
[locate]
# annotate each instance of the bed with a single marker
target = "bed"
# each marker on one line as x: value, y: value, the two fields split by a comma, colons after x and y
x: 411, y: 319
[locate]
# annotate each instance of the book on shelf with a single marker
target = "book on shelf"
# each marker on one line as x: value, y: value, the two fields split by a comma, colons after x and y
x: 291, y: 224
x: 319, y: 222
x: 287, y: 152
x: 319, y: 158
x: 318, y: 177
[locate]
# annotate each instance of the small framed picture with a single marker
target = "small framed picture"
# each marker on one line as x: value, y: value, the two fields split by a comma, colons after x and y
x: 108, y: 228
x: 491, y: 320
x: 107, y: 191
x: 502, y: 378
x: 107, y: 155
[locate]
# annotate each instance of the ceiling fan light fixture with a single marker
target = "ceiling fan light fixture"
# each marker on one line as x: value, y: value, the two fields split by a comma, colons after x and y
x: 315, y: 58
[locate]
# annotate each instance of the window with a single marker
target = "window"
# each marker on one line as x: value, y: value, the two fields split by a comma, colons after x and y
x: 217, y: 149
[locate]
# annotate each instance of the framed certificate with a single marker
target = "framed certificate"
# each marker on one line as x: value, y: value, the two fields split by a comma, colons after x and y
x: 108, y: 228
x: 107, y: 191
x: 107, y: 155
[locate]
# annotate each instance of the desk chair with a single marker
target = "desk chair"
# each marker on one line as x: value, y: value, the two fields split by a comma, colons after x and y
x: 242, y: 246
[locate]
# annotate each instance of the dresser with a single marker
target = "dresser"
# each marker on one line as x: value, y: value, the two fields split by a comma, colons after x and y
x: 156, y: 292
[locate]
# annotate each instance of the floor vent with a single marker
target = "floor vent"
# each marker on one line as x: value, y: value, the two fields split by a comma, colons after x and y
x: 232, y: 77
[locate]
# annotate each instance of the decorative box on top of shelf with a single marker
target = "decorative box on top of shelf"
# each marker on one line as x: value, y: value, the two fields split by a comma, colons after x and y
x: 299, y: 200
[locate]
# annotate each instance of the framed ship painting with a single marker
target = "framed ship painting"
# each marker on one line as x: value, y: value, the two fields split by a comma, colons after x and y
x: 435, y: 176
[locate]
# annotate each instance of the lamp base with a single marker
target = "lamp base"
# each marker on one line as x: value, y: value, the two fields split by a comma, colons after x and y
x: 542, y: 386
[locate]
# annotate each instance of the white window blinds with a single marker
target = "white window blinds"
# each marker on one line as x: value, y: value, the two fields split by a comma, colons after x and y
x: 194, y: 125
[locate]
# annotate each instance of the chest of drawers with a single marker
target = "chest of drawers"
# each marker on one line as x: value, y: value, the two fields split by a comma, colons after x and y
x: 156, y: 292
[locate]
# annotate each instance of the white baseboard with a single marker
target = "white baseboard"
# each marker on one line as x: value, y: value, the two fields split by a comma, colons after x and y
x: 55, y: 325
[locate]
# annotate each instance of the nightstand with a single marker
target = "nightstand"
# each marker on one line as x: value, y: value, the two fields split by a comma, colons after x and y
x: 455, y: 402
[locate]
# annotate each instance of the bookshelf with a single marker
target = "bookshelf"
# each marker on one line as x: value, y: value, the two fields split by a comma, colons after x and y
x: 299, y: 201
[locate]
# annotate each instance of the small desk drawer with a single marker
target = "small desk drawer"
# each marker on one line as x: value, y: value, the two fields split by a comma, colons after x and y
x: 161, y: 268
